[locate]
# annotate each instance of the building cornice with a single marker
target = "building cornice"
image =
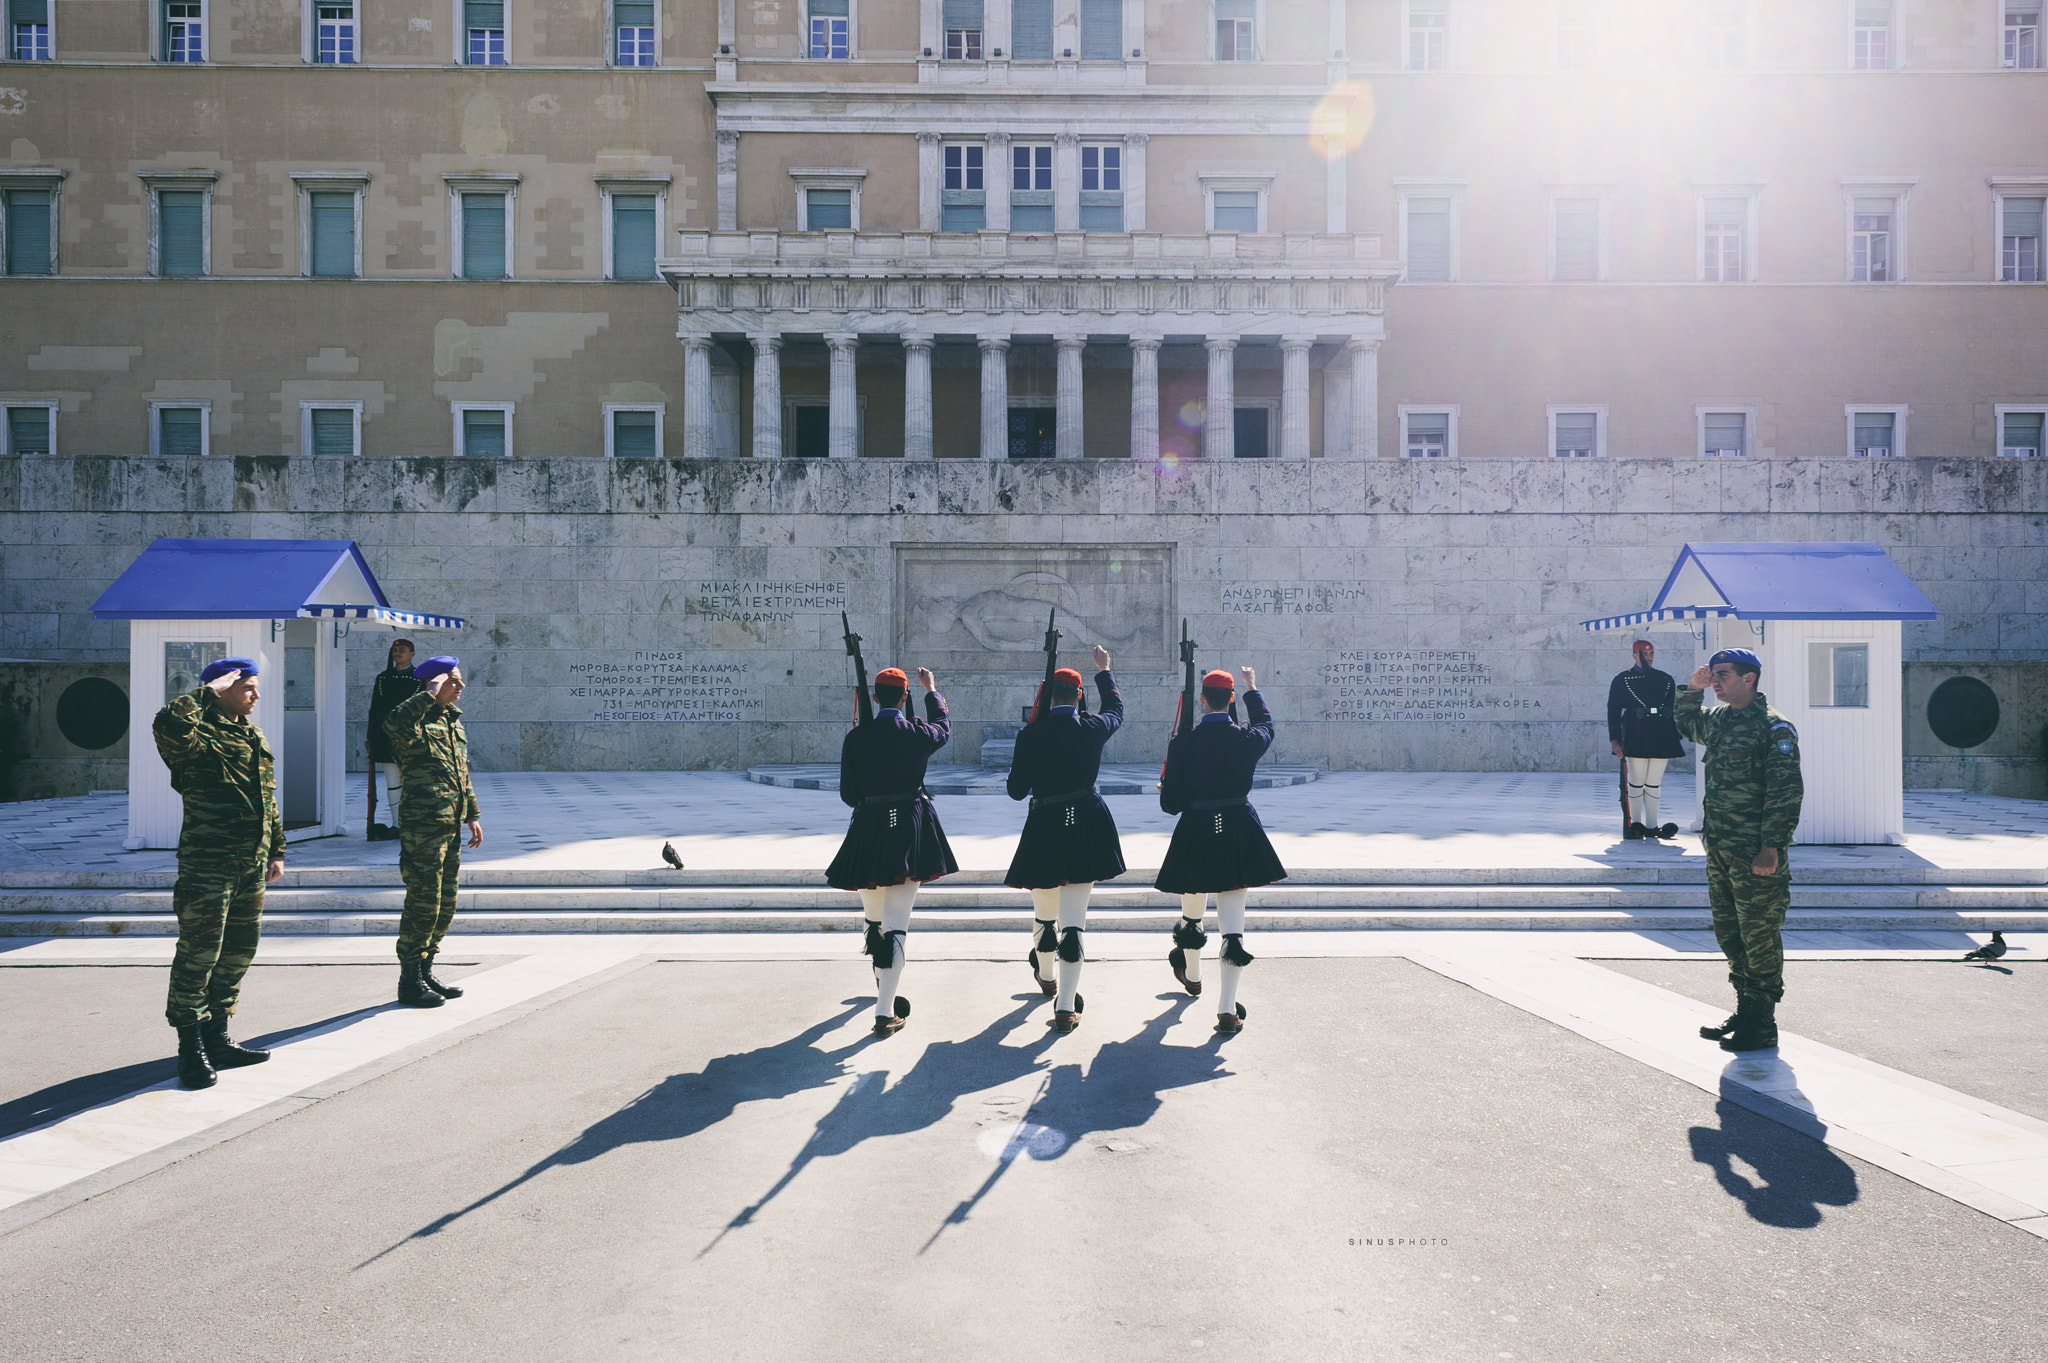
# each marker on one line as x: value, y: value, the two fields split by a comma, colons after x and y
x: 751, y: 106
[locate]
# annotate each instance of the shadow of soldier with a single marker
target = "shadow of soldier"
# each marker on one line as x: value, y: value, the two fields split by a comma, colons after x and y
x: 870, y: 1107
x: 1795, y: 1174
x: 683, y: 1105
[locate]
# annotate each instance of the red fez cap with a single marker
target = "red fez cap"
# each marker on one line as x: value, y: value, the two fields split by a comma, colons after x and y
x: 892, y: 676
x: 1219, y: 680
x: 1640, y: 645
x: 1067, y: 676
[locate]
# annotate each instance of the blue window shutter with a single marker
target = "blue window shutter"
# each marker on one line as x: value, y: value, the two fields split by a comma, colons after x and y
x: 962, y: 217
x: 633, y: 435
x: 633, y: 13
x: 334, y: 235
x: 633, y: 245
x: 334, y: 432
x: 30, y: 11
x: 483, y: 434
x: 828, y: 9
x: 962, y: 14
x: 28, y: 430
x: 181, y: 220
x: 483, y: 14
x: 1102, y: 29
x: 178, y: 429
x: 1031, y: 30
x: 28, y: 231
x: 483, y: 236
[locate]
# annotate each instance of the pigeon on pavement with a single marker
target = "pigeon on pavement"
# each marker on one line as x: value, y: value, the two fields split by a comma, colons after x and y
x: 1991, y: 952
x: 668, y: 854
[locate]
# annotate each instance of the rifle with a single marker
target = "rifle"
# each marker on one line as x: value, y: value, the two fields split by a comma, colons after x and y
x: 1184, y: 717
x: 862, y: 699
x: 1052, y: 655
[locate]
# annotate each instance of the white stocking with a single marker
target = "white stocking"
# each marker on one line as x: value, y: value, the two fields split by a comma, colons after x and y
x: 1193, y: 907
x: 1045, y: 908
x: 896, y: 902
x: 1073, y: 913
x: 1229, y: 919
x: 1645, y: 789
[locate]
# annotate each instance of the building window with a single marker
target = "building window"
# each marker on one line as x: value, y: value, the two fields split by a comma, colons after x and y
x: 828, y: 200
x: 184, y: 31
x: 31, y: 428
x: 30, y: 227
x: 1576, y: 256
x: 28, y: 30
x: 1875, y: 432
x: 485, y: 227
x: 1234, y: 210
x: 2019, y: 238
x: 633, y: 32
x: 2022, y: 50
x: 483, y: 26
x: 1578, y: 432
x: 633, y: 431
x: 962, y: 20
x: 1030, y: 187
x: 1427, y: 238
x: 831, y: 30
x: 1578, y: 36
x: 1102, y: 187
x: 1724, y: 239
x: 1871, y: 44
x: 483, y: 430
x: 2019, y: 431
x: 181, y: 235
x: 1871, y: 233
x: 1237, y: 30
x: 828, y: 209
x: 180, y: 430
x: 1031, y: 30
x: 963, y: 195
x: 1724, y: 43
x: 1251, y: 431
x: 331, y: 430
x: 1033, y: 432
x: 1724, y: 435
x: 1838, y: 676
x: 333, y: 222
x: 1428, y: 33
x: 807, y: 426
x: 1102, y: 30
x: 334, y: 32
x: 1429, y: 432
x: 633, y: 236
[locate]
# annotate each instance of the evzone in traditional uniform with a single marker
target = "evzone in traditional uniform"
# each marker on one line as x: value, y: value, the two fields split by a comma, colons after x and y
x: 1643, y: 732
x: 894, y: 842
x: 1218, y: 846
x: 1069, y: 840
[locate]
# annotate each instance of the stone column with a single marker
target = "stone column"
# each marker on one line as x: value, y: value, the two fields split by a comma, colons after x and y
x: 1145, y: 397
x: 1134, y: 179
x: 995, y: 178
x: 1067, y: 436
x: 928, y: 181
x: 1066, y: 181
x: 767, y: 394
x: 1365, y: 396
x: 1294, y: 396
x: 917, y: 395
x: 1336, y: 206
x: 842, y: 439
x: 1219, y: 423
x: 697, y: 397
x: 728, y: 144
x: 995, y: 397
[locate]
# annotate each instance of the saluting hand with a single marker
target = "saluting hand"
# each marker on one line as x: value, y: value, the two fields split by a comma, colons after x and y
x: 220, y: 684
x: 1701, y: 678
x: 1101, y: 658
x: 1251, y: 680
x: 926, y: 680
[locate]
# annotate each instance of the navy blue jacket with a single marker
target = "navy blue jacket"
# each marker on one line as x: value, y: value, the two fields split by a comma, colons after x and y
x: 886, y: 755
x: 1217, y: 760
x: 1062, y: 752
x: 1640, y: 705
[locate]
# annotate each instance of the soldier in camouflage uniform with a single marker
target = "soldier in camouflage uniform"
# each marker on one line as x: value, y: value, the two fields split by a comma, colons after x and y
x: 1751, y: 807
x: 230, y: 845
x: 433, y: 763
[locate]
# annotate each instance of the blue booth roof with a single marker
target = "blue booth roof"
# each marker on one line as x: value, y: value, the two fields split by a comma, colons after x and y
x: 1852, y: 581
x: 179, y: 579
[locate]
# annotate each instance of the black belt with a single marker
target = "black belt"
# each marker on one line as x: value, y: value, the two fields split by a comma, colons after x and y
x: 1204, y: 806
x: 893, y: 799
x: 1038, y: 800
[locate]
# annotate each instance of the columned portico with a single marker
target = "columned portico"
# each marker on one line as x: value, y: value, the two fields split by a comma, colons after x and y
x: 1365, y: 397
x: 1219, y: 416
x: 843, y: 412
x: 1067, y: 400
x: 1145, y: 398
x: 917, y: 394
x: 1294, y: 351
x: 697, y: 397
x: 767, y: 394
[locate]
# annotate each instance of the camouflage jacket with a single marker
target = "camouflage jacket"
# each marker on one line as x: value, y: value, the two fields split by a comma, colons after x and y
x: 433, y: 762
x: 222, y: 768
x: 1751, y: 757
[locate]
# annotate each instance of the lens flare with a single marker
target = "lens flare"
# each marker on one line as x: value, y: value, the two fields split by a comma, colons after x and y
x: 1193, y: 413
x: 1343, y: 119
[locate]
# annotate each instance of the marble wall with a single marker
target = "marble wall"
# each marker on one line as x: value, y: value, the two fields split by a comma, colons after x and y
x: 658, y: 614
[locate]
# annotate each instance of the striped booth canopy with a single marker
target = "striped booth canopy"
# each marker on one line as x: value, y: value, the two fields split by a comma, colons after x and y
x: 1850, y: 581
x: 192, y: 579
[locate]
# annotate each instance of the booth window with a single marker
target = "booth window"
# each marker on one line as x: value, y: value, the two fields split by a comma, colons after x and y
x: 2019, y: 434
x: 1031, y: 30
x: 963, y: 193
x: 31, y: 430
x: 2023, y: 35
x: 1838, y: 676
x: 483, y: 25
x: 483, y: 430
x: 963, y: 21
x: 831, y: 30
x: 1726, y: 434
x: 334, y: 35
x: 184, y: 661
x: 28, y: 30
x: 1428, y: 33
x: 30, y: 229
x: 633, y: 32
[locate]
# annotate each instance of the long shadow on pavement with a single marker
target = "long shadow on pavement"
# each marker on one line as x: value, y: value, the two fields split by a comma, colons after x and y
x: 682, y: 1105
x: 1796, y: 1175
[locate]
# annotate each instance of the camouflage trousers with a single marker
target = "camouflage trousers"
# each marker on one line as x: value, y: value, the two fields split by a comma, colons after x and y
x: 430, y: 861
x: 1749, y: 919
x: 219, y: 903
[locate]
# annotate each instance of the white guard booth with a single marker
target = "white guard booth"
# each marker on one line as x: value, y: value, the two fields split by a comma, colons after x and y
x: 1825, y: 619
x: 286, y: 603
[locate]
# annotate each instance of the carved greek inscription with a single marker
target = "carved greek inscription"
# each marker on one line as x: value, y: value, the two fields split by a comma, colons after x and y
x: 659, y: 687
x: 744, y: 602
x: 1420, y: 686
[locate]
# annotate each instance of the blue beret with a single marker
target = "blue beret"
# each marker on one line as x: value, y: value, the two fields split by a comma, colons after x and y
x: 434, y: 667
x: 1744, y: 660
x: 215, y: 671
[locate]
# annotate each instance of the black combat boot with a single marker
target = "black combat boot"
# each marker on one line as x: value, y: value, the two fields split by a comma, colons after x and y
x: 194, y: 1070
x: 1727, y: 1025
x: 1756, y: 1025
x: 413, y: 991
x: 223, y: 1053
x: 446, y: 991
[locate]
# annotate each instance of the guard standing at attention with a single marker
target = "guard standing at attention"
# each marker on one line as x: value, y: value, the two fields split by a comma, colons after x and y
x: 230, y: 845
x: 1069, y: 840
x: 1643, y: 734
x: 1219, y: 844
x: 894, y: 842
x: 1751, y: 807
x: 433, y: 763
x: 394, y: 684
